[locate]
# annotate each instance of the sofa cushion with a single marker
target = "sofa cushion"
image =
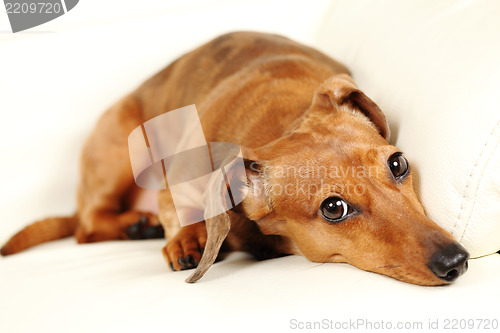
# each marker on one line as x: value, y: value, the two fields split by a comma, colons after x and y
x: 127, y: 287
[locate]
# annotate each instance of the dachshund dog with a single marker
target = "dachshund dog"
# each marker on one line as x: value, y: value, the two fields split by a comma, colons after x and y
x: 321, y: 179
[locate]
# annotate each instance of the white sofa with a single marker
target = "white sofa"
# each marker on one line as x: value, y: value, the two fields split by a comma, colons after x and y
x: 431, y: 66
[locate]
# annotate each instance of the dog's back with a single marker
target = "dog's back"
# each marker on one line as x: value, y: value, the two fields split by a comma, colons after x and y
x: 238, y: 79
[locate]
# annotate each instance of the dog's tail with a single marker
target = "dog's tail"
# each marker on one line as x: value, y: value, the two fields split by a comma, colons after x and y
x: 46, y: 230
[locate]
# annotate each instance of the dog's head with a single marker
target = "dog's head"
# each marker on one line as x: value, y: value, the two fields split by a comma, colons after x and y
x: 341, y: 193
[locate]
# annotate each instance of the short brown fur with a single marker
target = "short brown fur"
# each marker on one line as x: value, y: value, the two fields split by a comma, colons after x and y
x: 286, y: 105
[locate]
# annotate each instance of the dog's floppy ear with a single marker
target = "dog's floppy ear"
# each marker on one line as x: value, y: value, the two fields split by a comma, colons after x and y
x: 217, y: 200
x: 235, y: 182
x: 217, y: 229
x: 341, y: 90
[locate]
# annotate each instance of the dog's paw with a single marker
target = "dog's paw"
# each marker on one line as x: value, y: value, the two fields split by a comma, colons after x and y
x: 147, y: 227
x: 185, y: 249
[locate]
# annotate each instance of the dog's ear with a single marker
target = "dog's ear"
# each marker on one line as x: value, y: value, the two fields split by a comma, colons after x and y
x: 341, y: 90
x: 236, y: 182
x: 217, y: 229
x: 218, y: 200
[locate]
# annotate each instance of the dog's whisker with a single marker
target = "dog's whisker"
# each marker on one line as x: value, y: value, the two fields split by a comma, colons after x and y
x: 389, y: 266
x: 314, y: 266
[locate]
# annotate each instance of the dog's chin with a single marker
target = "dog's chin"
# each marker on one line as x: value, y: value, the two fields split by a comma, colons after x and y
x: 420, y: 278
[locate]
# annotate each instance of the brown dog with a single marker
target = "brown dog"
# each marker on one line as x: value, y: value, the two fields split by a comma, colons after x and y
x: 322, y: 180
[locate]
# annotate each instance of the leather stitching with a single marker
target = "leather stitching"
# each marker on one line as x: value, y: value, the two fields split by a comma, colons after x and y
x: 476, y: 168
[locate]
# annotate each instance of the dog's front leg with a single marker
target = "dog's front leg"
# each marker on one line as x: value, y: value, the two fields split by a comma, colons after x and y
x: 184, y: 250
x: 184, y: 245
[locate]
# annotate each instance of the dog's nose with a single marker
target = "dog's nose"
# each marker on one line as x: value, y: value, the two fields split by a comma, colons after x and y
x: 450, y: 262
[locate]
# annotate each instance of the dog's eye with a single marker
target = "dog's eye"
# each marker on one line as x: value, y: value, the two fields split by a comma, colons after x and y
x: 334, y: 209
x: 399, y: 165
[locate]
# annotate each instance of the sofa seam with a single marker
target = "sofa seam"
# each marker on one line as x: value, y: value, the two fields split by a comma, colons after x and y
x: 473, y: 196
